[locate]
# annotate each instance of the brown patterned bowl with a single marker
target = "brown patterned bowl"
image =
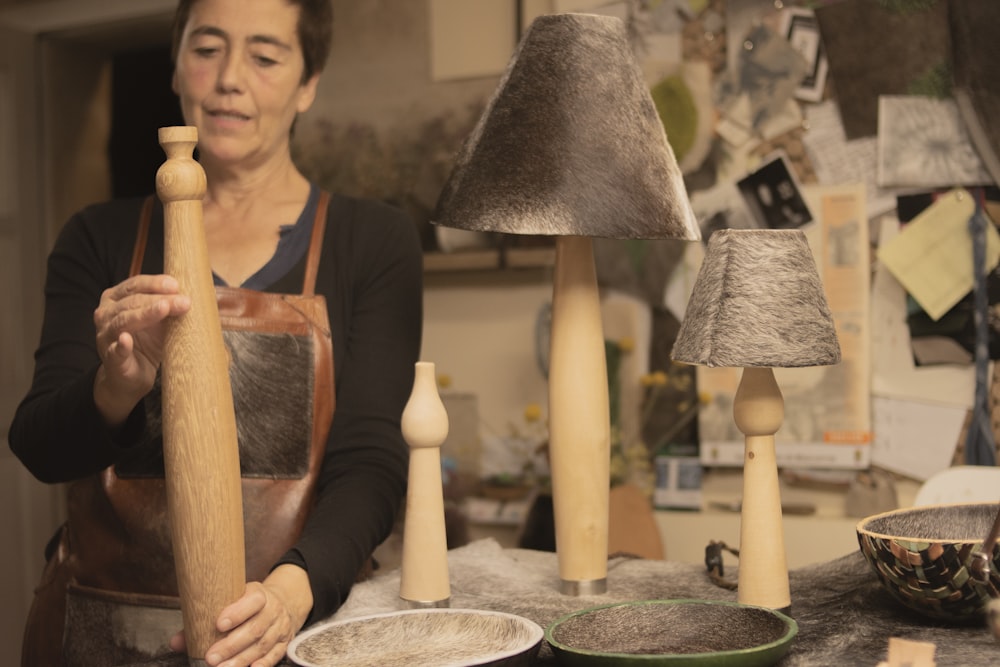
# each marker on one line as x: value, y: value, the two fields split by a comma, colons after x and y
x: 922, y: 555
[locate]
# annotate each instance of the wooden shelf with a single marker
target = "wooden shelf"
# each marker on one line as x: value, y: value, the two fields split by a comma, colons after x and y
x: 493, y: 259
x: 465, y: 260
x: 529, y: 258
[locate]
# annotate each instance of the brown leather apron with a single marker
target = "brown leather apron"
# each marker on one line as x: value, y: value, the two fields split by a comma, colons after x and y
x: 108, y: 595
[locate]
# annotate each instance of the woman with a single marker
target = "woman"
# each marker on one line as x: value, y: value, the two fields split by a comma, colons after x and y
x: 319, y: 386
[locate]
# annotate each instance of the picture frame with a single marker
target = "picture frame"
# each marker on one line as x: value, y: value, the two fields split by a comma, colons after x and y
x: 801, y: 29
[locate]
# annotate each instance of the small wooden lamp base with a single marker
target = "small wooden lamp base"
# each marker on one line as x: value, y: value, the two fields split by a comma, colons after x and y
x: 424, y: 570
x: 758, y: 410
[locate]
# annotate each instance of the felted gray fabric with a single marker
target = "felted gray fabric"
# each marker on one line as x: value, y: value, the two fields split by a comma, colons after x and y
x: 757, y: 301
x: 845, y: 616
x: 569, y: 144
x: 975, y: 53
x: 881, y: 48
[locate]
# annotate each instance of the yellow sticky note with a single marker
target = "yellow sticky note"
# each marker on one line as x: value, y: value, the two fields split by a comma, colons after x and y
x: 932, y: 256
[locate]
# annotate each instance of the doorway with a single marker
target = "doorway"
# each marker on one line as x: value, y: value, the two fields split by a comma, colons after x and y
x: 57, y: 60
x: 141, y: 103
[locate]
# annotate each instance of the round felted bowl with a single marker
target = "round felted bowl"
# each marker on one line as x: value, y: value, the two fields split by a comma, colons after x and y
x: 674, y: 633
x: 922, y: 556
x: 420, y: 638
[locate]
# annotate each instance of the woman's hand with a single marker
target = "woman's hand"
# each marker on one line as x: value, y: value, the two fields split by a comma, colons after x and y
x: 130, y: 331
x: 260, y: 624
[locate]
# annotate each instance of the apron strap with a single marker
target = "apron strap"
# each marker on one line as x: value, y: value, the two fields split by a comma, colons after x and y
x: 141, y: 236
x: 315, y: 245
x: 312, y: 259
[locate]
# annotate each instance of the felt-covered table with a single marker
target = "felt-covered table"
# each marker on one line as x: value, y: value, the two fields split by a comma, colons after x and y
x: 845, y: 617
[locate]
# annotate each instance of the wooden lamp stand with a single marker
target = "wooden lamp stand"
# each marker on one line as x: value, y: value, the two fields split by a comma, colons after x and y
x: 424, y: 568
x: 579, y: 421
x: 758, y: 410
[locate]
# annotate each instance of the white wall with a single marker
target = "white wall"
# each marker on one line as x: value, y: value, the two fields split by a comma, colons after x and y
x: 481, y: 332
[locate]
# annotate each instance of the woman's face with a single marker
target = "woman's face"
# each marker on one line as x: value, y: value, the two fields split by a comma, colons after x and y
x: 239, y: 77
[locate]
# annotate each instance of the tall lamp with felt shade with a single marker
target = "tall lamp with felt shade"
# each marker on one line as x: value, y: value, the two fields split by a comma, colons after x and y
x: 571, y: 146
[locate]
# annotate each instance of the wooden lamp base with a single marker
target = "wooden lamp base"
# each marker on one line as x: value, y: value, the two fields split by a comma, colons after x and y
x: 424, y: 579
x: 579, y: 421
x: 758, y: 410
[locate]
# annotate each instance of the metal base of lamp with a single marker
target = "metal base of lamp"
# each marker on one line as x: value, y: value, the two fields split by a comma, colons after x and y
x: 427, y: 604
x: 578, y: 588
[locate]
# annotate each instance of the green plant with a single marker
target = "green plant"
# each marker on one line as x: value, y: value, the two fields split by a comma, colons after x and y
x: 631, y: 457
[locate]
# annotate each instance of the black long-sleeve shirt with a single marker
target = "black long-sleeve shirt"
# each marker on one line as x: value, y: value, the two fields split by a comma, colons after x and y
x: 371, y: 276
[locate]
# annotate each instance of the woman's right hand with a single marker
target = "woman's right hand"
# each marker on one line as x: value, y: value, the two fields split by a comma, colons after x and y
x: 130, y: 323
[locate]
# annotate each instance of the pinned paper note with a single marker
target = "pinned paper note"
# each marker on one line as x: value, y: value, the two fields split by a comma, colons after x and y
x: 894, y: 372
x: 915, y: 438
x: 923, y: 143
x: 932, y: 256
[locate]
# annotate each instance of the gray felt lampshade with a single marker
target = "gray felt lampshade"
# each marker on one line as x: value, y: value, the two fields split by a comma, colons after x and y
x: 757, y: 301
x: 570, y: 144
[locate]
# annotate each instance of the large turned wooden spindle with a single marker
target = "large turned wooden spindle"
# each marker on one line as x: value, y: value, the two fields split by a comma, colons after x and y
x: 579, y: 421
x: 200, y: 450
x: 424, y: 568
x: 758, y: 410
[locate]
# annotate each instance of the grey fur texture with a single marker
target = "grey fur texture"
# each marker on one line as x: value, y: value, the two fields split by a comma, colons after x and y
x: 273, y: 412
x: 845, y: 616
x: 570, y: 144
x: 636, y: 628
x: 273, y: 404
x: 975, y: 52
x: 422, y: 638
x: 758, y: 301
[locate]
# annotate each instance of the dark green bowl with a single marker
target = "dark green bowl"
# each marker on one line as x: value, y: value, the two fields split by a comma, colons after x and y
x: 674, y: 633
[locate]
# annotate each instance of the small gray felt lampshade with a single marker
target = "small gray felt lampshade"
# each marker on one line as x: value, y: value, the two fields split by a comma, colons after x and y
x: 757, y: 301
x: 570, y: 144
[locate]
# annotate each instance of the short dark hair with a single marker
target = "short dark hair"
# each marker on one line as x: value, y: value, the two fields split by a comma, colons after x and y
x: 315, y: 31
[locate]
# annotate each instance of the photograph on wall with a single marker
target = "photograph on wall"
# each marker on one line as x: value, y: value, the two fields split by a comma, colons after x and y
x: 800, y: 28
x: 773, y: 195
x: 722, y: 207
x: 757, y: 94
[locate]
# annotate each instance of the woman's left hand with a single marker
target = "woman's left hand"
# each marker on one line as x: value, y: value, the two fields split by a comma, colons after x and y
x: 259, y: 626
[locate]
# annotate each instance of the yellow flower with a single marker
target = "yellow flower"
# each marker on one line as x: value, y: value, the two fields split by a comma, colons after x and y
x: 626, y: 344
x: 618, y: 469
x: 654, y: 379
x: 444, y: 380
x: 532, y: 413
